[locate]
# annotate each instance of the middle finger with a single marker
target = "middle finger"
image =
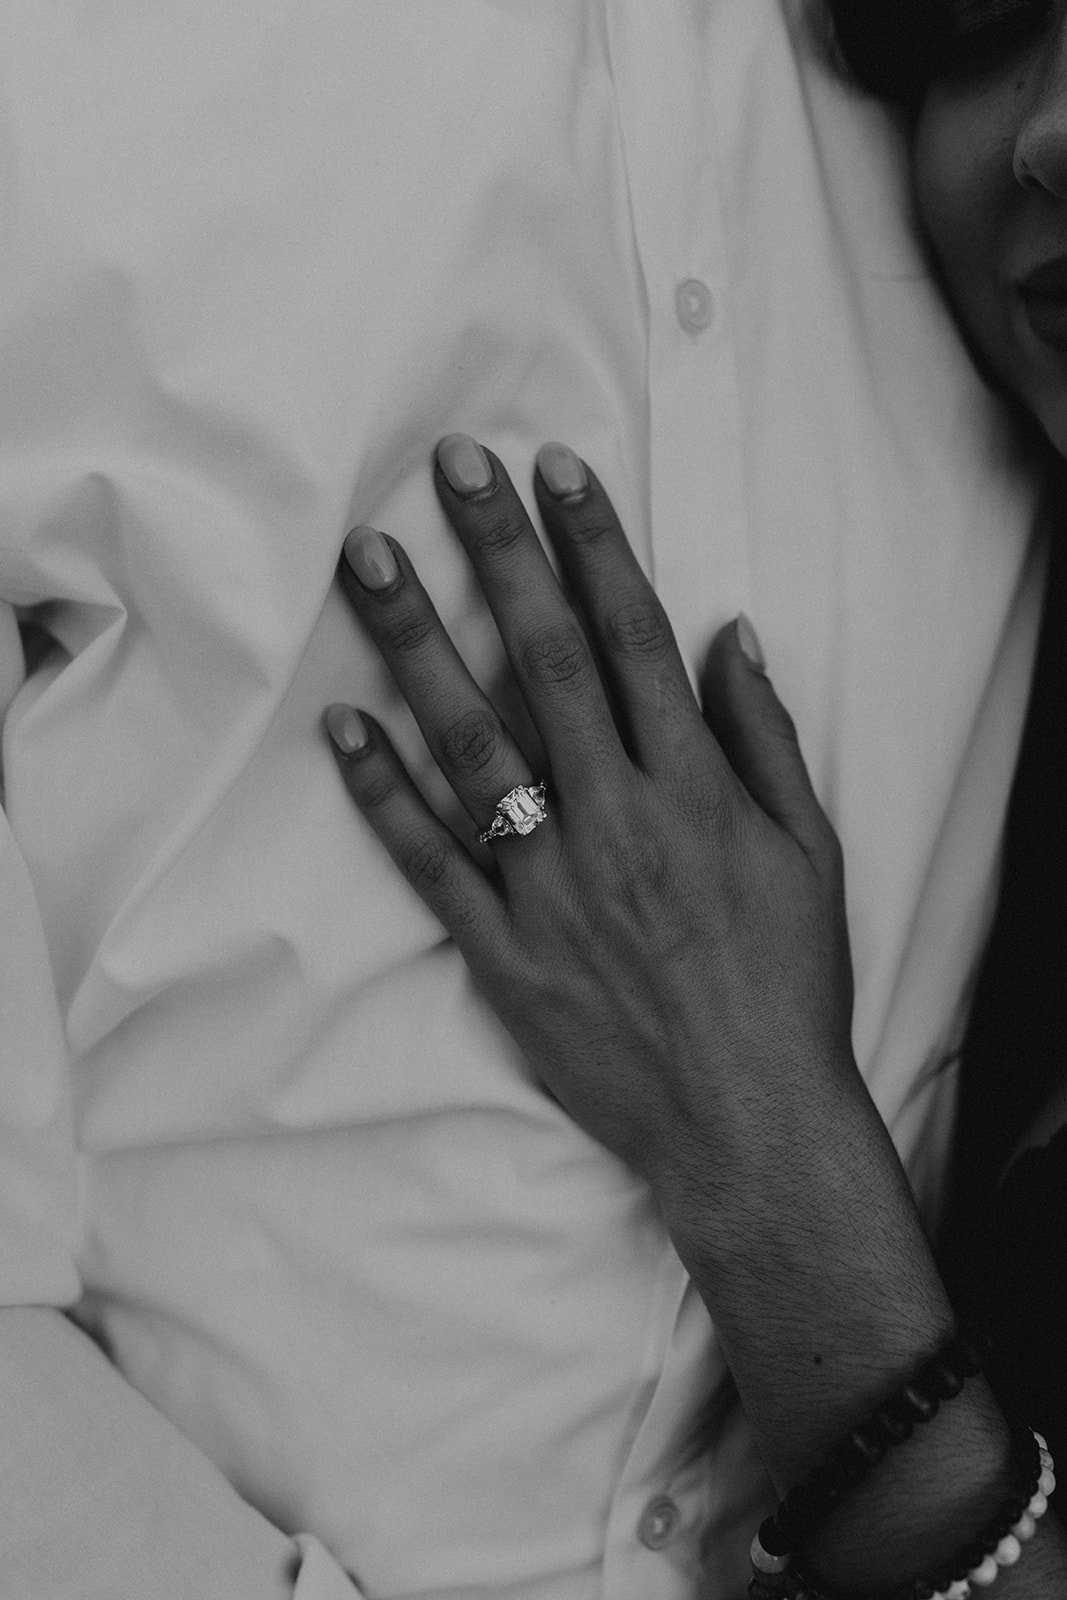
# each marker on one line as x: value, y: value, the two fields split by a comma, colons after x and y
x: 546, y: 644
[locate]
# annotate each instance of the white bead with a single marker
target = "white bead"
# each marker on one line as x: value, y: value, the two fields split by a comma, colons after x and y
x: 1038, y: 1505
x: 1042, y: 1444
x: 960, y: 1590
x: 1025, y: 1528
x: 1008, y: 1551
x: 1047, y: 1482
x: 985, y: 1573
x: 1046, y: 1459
x: 763, y: 1561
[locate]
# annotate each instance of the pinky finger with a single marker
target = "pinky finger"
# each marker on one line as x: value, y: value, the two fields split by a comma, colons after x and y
x: 759, y: 737
x: 428, y: 854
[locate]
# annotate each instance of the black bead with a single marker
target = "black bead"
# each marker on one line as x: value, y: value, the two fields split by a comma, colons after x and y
x: 773, y: 1538
x: 799, y: 1507
x: 850, y: 1467
x: 922, y: 1406
x: 895, y: 1424
x: 943, y: 1380
x: 868, y: 1444
x: 1003, y: 1524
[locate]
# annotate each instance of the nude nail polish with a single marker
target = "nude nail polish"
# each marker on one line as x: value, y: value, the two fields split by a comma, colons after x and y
x: 464, y: 463
x: 564, y: 474
x: 748, y: 640
x: 370, y: 558
x: 346, y: 728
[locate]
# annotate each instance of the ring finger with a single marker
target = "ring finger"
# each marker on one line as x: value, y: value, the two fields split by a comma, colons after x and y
x: 466, y: 737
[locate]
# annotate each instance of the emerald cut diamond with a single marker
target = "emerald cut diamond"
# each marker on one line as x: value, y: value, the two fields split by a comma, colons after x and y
x: 523, y: 808
x: 520, y: 811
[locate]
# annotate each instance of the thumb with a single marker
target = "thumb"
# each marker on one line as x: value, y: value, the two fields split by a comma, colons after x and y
x: 758, y: 736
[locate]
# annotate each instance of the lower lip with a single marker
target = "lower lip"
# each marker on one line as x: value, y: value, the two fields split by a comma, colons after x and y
x: 1047, y: 317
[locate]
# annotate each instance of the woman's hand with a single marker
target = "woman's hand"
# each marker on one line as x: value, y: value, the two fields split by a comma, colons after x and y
x: 668, y: 947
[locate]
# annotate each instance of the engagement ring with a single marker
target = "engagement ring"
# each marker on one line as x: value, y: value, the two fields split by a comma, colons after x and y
x: 521, y: 811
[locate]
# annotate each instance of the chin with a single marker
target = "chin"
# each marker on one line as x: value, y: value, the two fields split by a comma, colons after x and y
x: 1034, y: 388
x: 1047, y: 415
x: 1032, y: 374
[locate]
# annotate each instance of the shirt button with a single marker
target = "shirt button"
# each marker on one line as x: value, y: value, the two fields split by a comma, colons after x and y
x: 694, y: 305
x: 659, y: 1523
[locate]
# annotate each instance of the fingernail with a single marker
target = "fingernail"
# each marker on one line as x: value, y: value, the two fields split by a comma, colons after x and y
x: 371, y: 559
x: 564, y: 474
x: 748, y: 640
x: 346, y: 728
x: 464, y: 463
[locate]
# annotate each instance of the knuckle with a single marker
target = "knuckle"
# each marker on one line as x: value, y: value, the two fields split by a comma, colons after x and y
x: 555, y: 656
x: 639, y: 880
x: 469, y: 743
x: 639, y: 629
x: 589, y: 526
x: 424, y: 860
x: 499, y: 531
x: 410, y: 632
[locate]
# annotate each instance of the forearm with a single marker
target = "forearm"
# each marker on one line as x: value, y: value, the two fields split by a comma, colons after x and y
x: 105, y: 1500
x: 817, y: 1273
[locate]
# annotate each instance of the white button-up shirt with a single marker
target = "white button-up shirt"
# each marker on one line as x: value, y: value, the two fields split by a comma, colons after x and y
x: 257, y: 258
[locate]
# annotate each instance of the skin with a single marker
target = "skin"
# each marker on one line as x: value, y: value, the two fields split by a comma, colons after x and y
x: 990, y: 171
x: 668, y: 947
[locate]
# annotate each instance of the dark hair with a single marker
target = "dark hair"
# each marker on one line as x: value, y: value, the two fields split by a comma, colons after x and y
x: 1002, y: 1251
x: 1017, y: 1036
x: 889, y: 47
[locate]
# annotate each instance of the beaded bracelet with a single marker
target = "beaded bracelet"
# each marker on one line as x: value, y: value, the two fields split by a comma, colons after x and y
x: 804, y: 1507
x: 976, y: 1564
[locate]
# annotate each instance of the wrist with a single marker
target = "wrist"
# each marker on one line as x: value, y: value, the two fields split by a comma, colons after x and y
x: 794, y: 1157
x: 816, y: 1271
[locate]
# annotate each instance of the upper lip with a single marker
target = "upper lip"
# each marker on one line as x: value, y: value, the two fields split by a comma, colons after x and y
x: 1047, y: 281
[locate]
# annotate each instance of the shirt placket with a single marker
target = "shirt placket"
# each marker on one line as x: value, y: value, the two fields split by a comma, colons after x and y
x: 666, y: 1495
x: 696, y: 483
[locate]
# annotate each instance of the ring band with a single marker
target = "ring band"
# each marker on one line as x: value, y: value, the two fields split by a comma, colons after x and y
x: 521, y: 811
